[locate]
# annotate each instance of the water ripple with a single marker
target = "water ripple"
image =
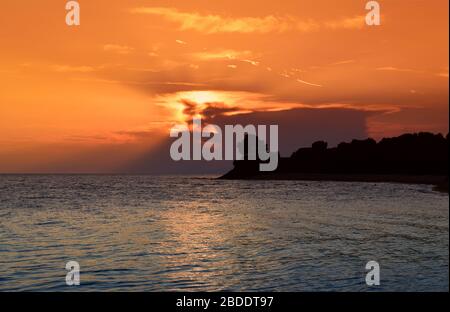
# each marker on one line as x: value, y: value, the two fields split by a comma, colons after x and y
x: 145, y: 233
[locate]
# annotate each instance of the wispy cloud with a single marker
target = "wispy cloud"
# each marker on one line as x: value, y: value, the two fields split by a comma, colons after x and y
x: 213, y: 23
x: 226, y: 55
x: 344, y: 62
x: 409, y: 70
x: 221, y: 55
x: 254, y: 63
x: 390, y: 68
x: 309, y: 83
x: 355, y: 22
x: 119, y: 49
x: 68, y: 68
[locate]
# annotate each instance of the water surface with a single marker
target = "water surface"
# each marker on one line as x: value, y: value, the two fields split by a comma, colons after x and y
x: 150, y: 233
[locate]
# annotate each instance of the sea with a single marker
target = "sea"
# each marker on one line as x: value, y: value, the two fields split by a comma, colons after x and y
x: 198, y: 233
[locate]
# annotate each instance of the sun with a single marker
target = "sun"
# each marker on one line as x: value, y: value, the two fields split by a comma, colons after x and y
x: 202, y: 97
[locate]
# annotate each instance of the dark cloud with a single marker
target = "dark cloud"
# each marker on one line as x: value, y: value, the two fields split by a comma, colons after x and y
x: 190, y: 107
x: 297, y: 128
x: 215, y: 110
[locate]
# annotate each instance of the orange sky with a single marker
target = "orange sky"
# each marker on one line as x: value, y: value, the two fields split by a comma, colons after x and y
x: 94, y: 97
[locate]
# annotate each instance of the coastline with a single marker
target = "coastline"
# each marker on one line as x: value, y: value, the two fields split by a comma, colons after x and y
x: 411, y: 158
x: 439, y: 181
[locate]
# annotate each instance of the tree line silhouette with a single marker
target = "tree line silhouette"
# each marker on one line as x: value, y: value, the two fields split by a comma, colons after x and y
x: 409, y: 154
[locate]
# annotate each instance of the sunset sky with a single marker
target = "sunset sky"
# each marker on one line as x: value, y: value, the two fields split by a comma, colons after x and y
x: 102, y: 96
